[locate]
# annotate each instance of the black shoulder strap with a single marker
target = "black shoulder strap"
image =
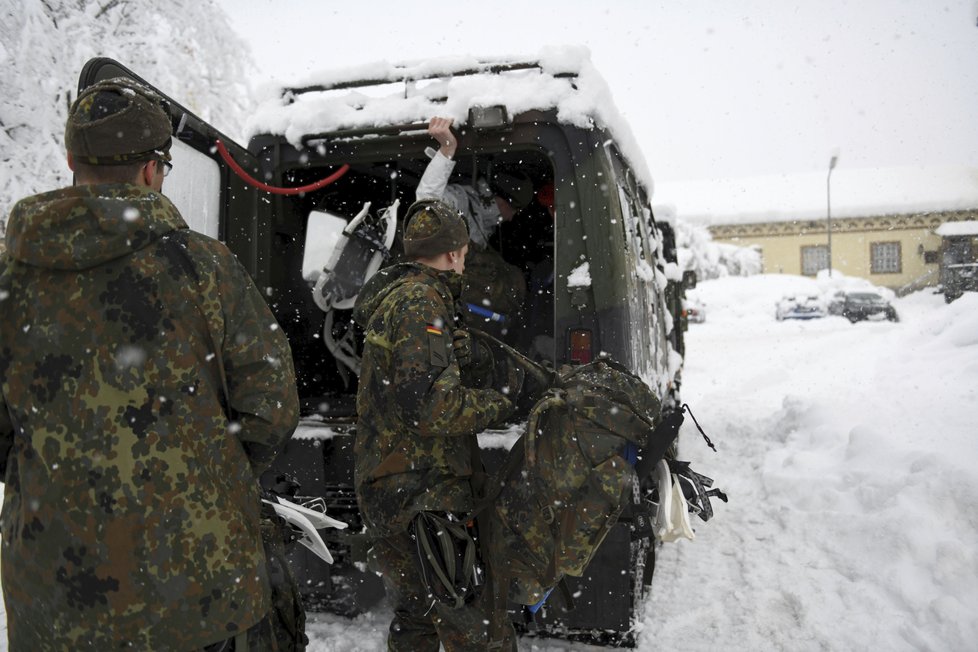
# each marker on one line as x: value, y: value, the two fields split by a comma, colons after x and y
x: 659, y: 440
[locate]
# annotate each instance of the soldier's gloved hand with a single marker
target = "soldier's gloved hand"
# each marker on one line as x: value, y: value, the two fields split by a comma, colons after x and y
x: 475, y: 361
x: 506, y: 409
x: 462, y: 345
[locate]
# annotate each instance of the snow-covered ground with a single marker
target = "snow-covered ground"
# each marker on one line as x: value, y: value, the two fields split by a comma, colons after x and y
x: 848, y: 454
x: 849, y: 457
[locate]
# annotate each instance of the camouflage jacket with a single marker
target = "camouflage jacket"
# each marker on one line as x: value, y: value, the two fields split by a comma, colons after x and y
x: 416, y: 433
x: 131, y: 511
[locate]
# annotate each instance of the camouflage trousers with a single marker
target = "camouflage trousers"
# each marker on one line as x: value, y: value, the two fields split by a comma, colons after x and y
x: 421, y: 622
x: 283, y: 629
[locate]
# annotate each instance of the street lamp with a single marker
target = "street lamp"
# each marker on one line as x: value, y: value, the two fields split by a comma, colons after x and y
x: 828, y: 196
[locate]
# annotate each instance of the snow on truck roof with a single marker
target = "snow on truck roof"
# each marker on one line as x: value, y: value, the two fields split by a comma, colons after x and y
x: 560, y: 78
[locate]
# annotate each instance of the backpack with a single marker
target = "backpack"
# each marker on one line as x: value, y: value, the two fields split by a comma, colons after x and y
x: 567, y: 479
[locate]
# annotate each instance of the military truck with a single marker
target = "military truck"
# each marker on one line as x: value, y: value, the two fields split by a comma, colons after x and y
x: 959, y: 258
x: 600, y: 268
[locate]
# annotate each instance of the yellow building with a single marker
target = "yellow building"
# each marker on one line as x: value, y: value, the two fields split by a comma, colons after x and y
x: 901, y: 252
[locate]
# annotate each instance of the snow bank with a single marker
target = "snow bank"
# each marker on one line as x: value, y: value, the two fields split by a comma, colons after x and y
x: 697, y: 251
x: 848, y: 454
x: 45, y: 45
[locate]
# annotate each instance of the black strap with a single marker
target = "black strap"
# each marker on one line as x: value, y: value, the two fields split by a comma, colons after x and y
x: 179, y: 252
x: 499, y: 580
x: 566, y: 594
x: 658, y: 443
x: 640, y: 519
x: 492, y: 490
x: 437, y: 539
x: 708, y: 442
x: 367, y: 236
x: 699, y: 493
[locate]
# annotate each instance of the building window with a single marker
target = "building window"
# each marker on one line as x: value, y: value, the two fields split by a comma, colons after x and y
x: 885, y: 257
x: 814, y: 259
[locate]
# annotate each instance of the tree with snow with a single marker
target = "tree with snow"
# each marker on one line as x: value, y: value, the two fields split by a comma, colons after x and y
x: 186, y: 48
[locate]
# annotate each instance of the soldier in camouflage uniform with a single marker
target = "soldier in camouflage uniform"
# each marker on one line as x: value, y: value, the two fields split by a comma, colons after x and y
x: 416, y: 448
x: 145, y: 386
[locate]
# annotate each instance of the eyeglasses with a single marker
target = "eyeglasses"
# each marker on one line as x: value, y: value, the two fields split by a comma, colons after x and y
x: 167, y: 166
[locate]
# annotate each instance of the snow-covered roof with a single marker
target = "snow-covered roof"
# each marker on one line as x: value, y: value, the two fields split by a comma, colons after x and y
x: 957, y: 228
x: 563, y: 79
x: 855, y: 193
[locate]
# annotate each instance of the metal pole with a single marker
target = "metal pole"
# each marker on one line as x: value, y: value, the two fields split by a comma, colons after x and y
x: 828, y: 195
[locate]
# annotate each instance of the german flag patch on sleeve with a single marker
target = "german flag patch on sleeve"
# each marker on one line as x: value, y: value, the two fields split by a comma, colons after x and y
x: 437, y: 346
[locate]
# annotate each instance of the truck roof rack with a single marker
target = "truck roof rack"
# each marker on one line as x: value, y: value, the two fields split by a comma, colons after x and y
x: 412, y: 73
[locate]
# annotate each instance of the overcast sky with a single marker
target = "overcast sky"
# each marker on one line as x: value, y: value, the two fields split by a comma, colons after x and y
x: 713, y: 89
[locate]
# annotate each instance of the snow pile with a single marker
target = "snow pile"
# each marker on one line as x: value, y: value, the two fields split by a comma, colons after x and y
x: 697, y: 251
x: 565, y: 80
x: 46, y: 44
x: 848, y: 454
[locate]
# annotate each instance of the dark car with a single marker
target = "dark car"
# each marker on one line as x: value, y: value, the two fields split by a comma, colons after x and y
x: 837, y: 302
x: 959, y: 278
x: 867, y: 306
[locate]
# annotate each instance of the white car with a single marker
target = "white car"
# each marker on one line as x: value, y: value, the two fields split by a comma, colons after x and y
x: 799, y: 307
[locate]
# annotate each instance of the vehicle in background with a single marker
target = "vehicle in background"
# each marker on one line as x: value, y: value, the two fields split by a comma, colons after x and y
x: 959, y: 258
x: 958, y: 279
x: 836, y: 302
x: 694, y: 311
x: 799, y: 307
x: 374, y: 147
x: 867, y: 306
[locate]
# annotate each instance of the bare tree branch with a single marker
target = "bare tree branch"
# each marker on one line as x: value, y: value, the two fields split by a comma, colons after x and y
x: 107, y: 7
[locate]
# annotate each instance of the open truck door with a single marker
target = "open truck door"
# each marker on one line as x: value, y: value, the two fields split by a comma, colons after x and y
x: 259, y: 227
x: 203, y: 188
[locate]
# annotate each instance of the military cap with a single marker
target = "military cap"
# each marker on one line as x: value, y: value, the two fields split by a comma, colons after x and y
x: 118, y: 121
x: 433, y: 227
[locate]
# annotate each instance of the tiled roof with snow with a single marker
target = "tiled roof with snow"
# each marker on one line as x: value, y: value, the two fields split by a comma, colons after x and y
x: 854, y: 193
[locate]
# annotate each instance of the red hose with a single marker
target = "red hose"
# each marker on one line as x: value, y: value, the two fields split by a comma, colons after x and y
x: 240, y: 171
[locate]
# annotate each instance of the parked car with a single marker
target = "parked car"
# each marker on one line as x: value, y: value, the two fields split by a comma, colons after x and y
x: 799, y: 307
x: 837, y: 302
x: 695, y: 312
x: 867, y: 306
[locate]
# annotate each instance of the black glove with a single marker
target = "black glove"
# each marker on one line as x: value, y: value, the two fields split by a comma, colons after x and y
x: 475, y: 361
